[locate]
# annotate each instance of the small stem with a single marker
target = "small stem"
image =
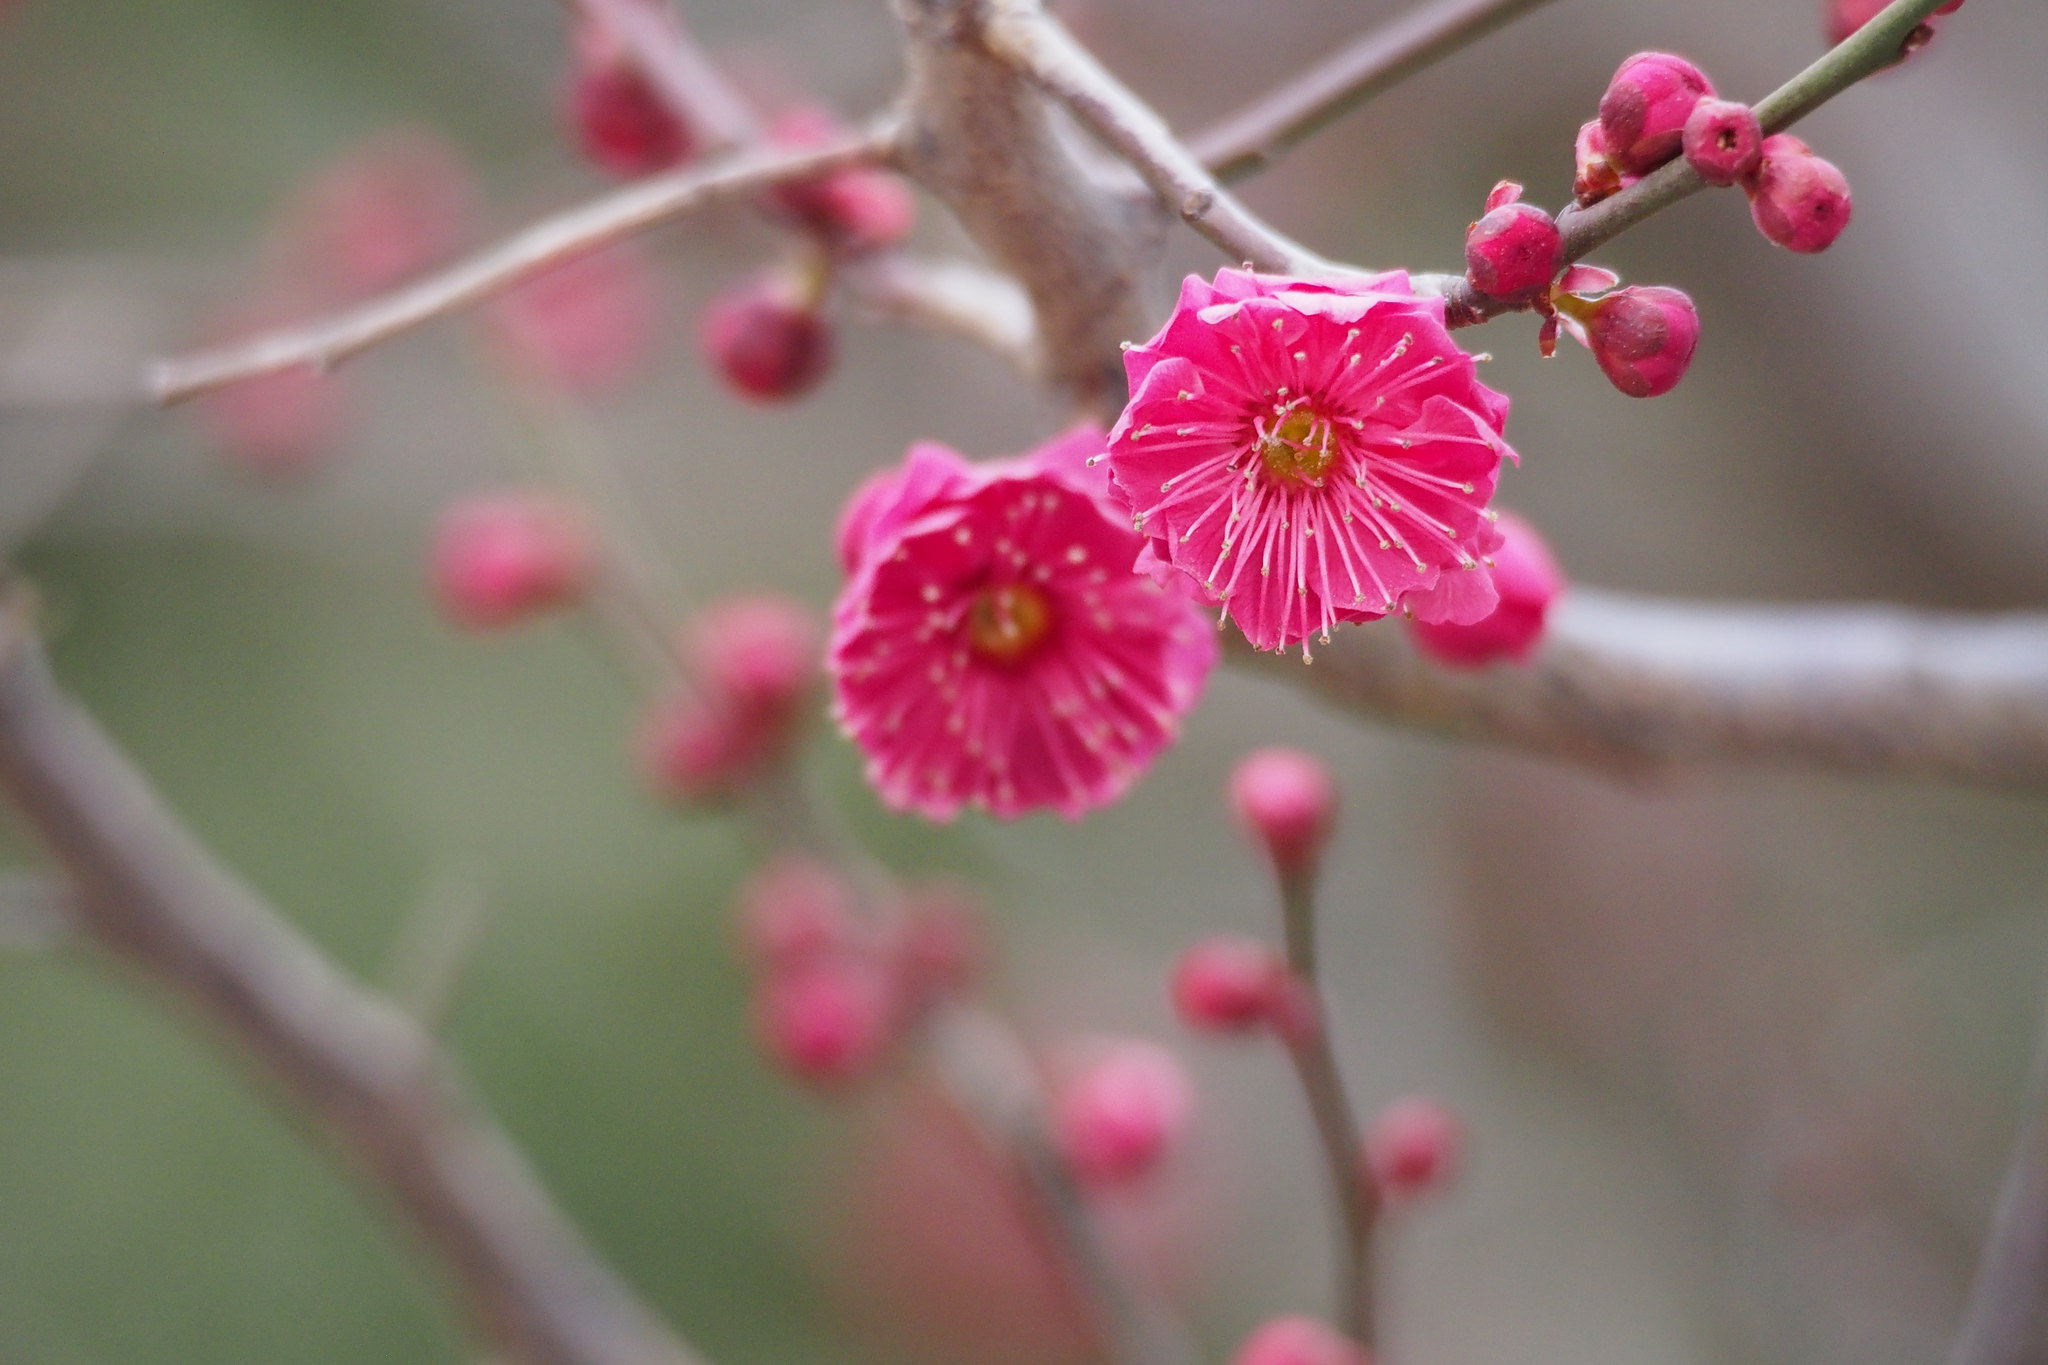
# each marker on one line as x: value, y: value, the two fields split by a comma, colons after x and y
x: 1336, y: 1122
x: 1864, y: 53
x: 1257, y: 135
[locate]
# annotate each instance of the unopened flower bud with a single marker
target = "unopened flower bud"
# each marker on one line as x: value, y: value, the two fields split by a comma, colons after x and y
x: 1117, y: 1118
x: 1643, y: 113
x: 825, y: 1022
x: 794, y: 912
x: 1515, y: 249
x: 1723, y: 141
x: 1797, y: 199
x: 1227, y: 984
x: 695, y: 748
x: 758, y: 653
x: 586, y: 325
x: 1299, y: 1341
x: 500, y: 558
x: 1643, y: 338
x: 615, y: 114
x: 941, y: 949
x: 768, y: 345
x: 1527, y: 577
x: 857, y: 208
x: 1285, y: 799
x: 1414, y: 1148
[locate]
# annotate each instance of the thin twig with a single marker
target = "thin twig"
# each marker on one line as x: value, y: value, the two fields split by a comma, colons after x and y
x: 2005, y: 1321
x: 968, y: 301
x: 328, y: 341
x: 343, y: 1058
x: 1635, y: 685
x: 1336, y: 1122
x: 1021, y: 33
x: 1864, y: 53
x: 1257, y: 135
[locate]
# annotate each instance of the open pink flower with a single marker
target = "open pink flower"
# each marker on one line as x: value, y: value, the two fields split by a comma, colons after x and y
x: 992, y: 646
x: 1309, y: 453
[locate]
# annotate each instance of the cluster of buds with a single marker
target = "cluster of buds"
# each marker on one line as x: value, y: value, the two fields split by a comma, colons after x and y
x: 1527, y: 578
x: 1659, y: 106
x: 503, y: 558
x: 752, y: 663
x: 834, y: 990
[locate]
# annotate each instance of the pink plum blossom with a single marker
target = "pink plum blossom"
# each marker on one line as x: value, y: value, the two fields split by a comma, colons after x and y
x: 992, y: 646
x: 1305, y: 453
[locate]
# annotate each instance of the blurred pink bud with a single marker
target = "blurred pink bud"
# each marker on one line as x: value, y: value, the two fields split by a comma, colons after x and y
x: 1299, y: 1341
x: 758, y: 654
x: 1723, y: 141
x: 1527, y: 578
x: 767, y: 346
x: 1594, y: 177
x: 1117, y: 1118
x: 941, y: 949
x: 1414, y: 1148
x: 586, y: 325
x: 279, y: 425
x: 1796, y: 199
x: 615, y: 114
x: 388, y: 208
x: 1643, y: 113
x: 792, y: 912
x: 1515, y: 249
x: 693, y: 752
x: 500, y: 558
x: 1227, y: 984
x: 1285, y: 800
x: 1643, y: 338
x: 825, y: 1022
x: 859, y: 208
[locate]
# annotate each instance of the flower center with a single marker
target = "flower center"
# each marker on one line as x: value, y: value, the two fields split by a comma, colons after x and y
x: 1007, y: 621
x: 1298, y: 448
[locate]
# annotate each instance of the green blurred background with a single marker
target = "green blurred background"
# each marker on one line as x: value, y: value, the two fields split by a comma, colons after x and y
x: 1741, y: 1053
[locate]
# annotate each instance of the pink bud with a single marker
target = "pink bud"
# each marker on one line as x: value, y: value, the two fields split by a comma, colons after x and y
x: 941, y: 949
x: 1414, y: 1148
x: 759, y: 653
x: 767, y: 346
x: 825, y: 1022
x: 1796, y: 199
x: 1116, y: 1119
x: 1285, y: 799
x: 1723, y: 141
x: 793, y: 912
x: 500, y: 558
x: 1515, y: 249
x: 1594, y: 176
x: 1227, y: 984
x: 694, y: 752
x: 279, y: 425
x: 587, y: 324
x: 388, y: 208
x: 616, y: 116
x: 1643, y: 337
x: 1527, y: 578
x: 858, y: 208
x: 1643, y: 113
x: 1299, y: 1341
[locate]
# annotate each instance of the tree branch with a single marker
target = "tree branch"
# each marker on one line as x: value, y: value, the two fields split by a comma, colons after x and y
x: 344, y: 1059
x: 1864, y: 53
x: 1637, y: 684
x: 967, y: 301
x: 328, y: 341
x: 1259, y: 134
x: 1023, y: 35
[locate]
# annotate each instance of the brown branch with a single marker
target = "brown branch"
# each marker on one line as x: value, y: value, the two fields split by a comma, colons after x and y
x: 1257, y: 135
x: 1636, y: 685
x: 966, y: 301
x: 328, y: 341
x: 1864, y: 53
x: 342, y: 1058
x: 1023, y: 35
